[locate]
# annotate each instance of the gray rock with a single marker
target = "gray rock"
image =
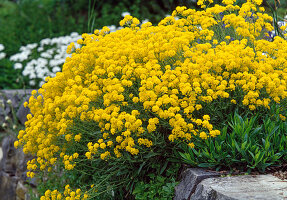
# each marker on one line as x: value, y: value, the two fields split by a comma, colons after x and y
x: 263, y: 187
x: 22, y: 113
x: 21, y: 190
x: 7, y: 163
x: 190, y: 179
x: 14, y: 160
x: 8, y: 186
x: 18, y: 97
x: 13, y: 171
x: 1, y: 154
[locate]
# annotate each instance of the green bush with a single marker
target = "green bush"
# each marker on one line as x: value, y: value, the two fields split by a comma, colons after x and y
x: 9, y: 78
x: 29, y: 21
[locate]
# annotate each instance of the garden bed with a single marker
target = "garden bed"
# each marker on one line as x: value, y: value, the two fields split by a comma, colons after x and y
x: 130, y: 109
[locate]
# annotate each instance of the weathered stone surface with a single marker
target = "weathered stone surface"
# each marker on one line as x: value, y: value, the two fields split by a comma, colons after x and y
x: 263, y: 187
x: 17, y: 97
x: 13, y: 171
x: 8, y: 186
x: 7, y: 163
x: 23, y: 112
x: 14, y: 160
x: 1, y: 154
x: 190, y: 178
x: 21, y: 190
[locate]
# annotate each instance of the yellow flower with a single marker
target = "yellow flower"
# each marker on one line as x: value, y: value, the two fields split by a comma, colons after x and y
x: 282, y: 117
x: 110, y: 143
x: 68, y: 137
x: 233, y: 101
x: 103, y: 145
x: 124, y: 86
x: 77, y: 137
x: 203, y: 135
x: 88, y: 155
x: 16, y: 144
x: 25, y: 104
x: 191, y: 145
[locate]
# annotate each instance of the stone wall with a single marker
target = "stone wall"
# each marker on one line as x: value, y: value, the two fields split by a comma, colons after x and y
x: 199, y: 184
x: 13, y: 179
x: 12, y: 101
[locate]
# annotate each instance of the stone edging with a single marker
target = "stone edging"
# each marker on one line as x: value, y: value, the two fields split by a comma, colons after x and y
x: 199, y: 184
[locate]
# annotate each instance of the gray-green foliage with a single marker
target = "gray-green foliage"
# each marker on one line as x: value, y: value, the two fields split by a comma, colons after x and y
x: 246, y: 143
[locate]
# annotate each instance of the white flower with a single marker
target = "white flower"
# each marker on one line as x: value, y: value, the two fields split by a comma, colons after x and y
x: 41, y: 83
x: 45, y: 41
x: 125, y: 13
x: 32, y: 82
x: 145, y: 21
x: 4, y: 125
x: 46, y: 55
x: 32, y: 75
x: 74, y: 34
x: 9, y: 101
x: 23, y: 55
x: 2, y: 47
x: 18, y: 66
x: 112, y: 28
x: 40, y: 49
x: 56, y: 69
x: 32, y: 46
x: 2, y: 55
x: 282, y: 23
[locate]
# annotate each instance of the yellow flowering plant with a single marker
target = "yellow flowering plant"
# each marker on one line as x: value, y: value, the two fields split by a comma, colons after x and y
x: 126, y: 99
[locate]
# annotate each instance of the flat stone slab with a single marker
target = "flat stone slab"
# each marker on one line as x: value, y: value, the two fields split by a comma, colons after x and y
x: 248, y: 187
x: 190, y: 178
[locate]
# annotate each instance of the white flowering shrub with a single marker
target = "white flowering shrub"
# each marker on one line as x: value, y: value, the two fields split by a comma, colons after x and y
x: 2, y: 54
x: 39, y: 60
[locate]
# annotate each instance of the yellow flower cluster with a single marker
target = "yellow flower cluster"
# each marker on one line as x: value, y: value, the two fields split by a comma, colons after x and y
x: 129, y: 21
x: 70, y: 47
x: 68, y: 194
x: 134, y: 82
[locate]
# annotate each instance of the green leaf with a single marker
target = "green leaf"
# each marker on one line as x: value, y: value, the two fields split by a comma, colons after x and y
x: 141, y: 166
x: 251, y: 154
x: 243, y: 145
x: 205, y: 165
x: 164, y: 167
x: 237, y: 146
